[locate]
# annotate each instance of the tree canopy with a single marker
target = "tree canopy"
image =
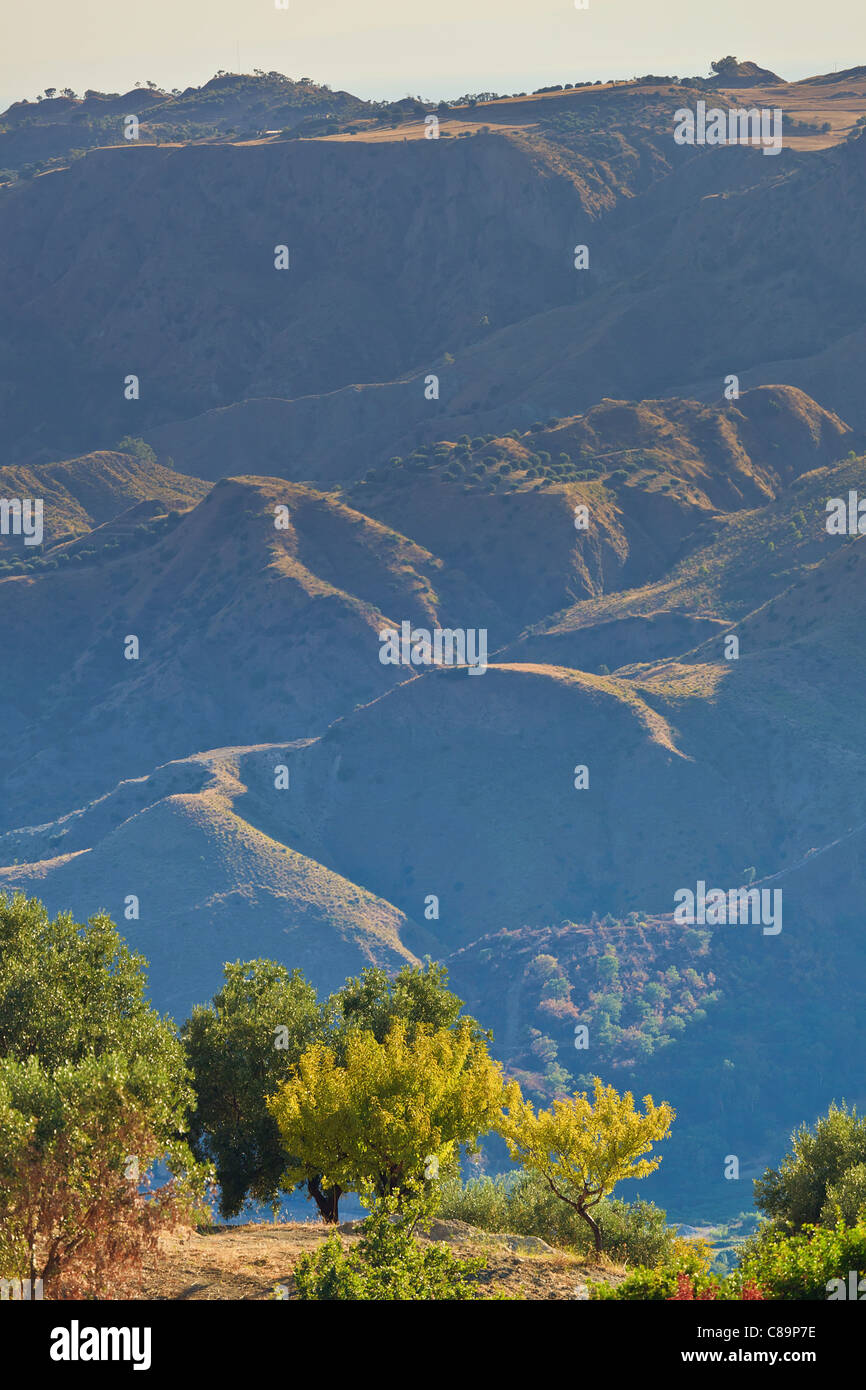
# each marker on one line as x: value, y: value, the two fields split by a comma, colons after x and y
x: 824, y: 1171
x: 240, y: 1047
x: 373, y: 1121
x: 246, y: 1042
x: 70, y: 991
x: 583, y: 1148
x: 93, y: 1091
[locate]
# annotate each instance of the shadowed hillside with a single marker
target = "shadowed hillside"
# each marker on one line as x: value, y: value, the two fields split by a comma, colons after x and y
x: 322, y: 367
x: 617, y: 474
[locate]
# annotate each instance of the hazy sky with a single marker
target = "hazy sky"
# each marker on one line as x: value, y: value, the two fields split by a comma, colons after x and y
x: 388, y: 48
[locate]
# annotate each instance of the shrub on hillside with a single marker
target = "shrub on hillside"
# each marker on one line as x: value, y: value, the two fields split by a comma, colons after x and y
x: 805, y: 1265
x: 814, y: 1265
x: 644, y: 1285
x: 93, y: 1091
x: 633, y: 1233
x: 388, y: 1263
x: 686, y: 1291
x: 138, y: 448
x: 846, y: 1198
x: 75, y: 1144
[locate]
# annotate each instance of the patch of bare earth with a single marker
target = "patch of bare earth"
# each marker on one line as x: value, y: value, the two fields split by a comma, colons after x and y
x: 247, y: 1262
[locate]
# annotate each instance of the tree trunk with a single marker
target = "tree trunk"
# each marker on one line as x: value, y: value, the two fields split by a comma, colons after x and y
x: 594, y: 1226
x: 581, y: 1211
x: 327, y: 1199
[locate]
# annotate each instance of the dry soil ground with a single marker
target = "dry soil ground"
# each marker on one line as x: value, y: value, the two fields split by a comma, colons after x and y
x: 247, y: 1262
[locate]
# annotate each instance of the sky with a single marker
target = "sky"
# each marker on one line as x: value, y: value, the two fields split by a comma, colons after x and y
x: 431, y: 48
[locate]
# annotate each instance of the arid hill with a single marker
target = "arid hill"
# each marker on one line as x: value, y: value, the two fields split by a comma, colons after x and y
x: 83, y: 496
x: 551, y: 378
x: 320, y: 370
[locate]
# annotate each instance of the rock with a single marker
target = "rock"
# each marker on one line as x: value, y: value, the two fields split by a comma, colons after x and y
x: 527, y: 1245
x: 461, y: 1232
x: 455, y: 1232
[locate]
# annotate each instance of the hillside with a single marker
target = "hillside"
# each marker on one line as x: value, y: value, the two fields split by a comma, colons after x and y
x: 319, y: 371
x: 249, y: 1262
x: 298, y: 609
x: 34, y: 134
x: 433, y: 417
x: 493, y: 754
x: 83, y: 496
x: 211, y: 886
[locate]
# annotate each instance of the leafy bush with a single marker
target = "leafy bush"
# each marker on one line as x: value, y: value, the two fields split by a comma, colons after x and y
x: 388, y: 1263
x: 634, y: 1233
x: 644, y: 1285
x: 74, y: 1144
x: 802, y: 1266
x: 93, y: 1091
x: 686, y: 1291
x: 139, y: 449
x: 846, y: 1198
x: 798, y: 1192
x: 813, y: 1265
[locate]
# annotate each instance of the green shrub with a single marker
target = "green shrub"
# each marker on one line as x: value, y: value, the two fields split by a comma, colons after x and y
x: 388, y: 1263
x: 658, y: 1285
x: 137, y: 447
x: 522, y: 1204
x: 801, y: 1266
x: 846, y: 1198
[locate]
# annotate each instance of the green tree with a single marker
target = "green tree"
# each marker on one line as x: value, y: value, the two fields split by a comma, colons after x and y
x: 374, y: 1000
x: 543, y: 967
x: 137, y: 447
x: 846, y: 1199
x: 70, y: 991
x: 246, y: 1042
x: 798, y: 1192
x: 75, y: 1143
x: 91, y: 1079
x: 385, y: 1114
x: 583, y: 1148
x: 608, y: 966
x: 240, y: 1047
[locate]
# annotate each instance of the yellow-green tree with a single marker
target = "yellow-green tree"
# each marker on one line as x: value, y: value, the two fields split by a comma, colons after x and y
x: 375, y: 1120
x: 583, y: 1148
